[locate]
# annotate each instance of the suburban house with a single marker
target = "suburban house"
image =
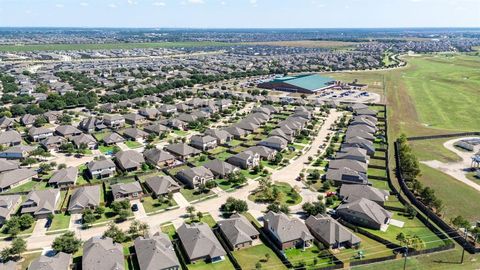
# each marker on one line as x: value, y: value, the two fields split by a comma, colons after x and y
x: 159, y: 158
x: 156, y: 253
x: 199, y: 243
x: 131, y: 191
x: 222, y: 136
x: 275, y: 142
x: 149, y: 113
x: 331, y: 233
x: 38, y: 134
x: 67, y: 131
x: 8, y: 165
x: 64, y: 177
x: 355, y: 131
x: 348, y: 163
x: 135, y: 119
x: 265, y: 153
x: 17, y: 152
x: 238, y: 232
x: 53, y: 142
x: 278, y: 132
x: 366, y: 213
x: 84, y: 139
x: 113, y: 138
x: 353, y: 153
x: 129, y: 160
x: 28, y: 120
x: 15, y: 178
x: 8, y: 205
x: 237, y: 132
x: 346, y: 176
x: 182, y: 150
x: 287, y: 232
x: 102, y: 253
x: 350, y: 193
x: 114, y: 121
x: 167, y: 109
x: 6, y: 123
x: 162, y: 185
x: 361, y: 143
x: 203, y: 143
x: 10, y: 138
x: 135, y: 134
x: 101, y: 168
x: 156, y: 129
x: 193, y: 177
x: 60, y: 261
x: 220, y: 169
x: 245, y: 160
x: 91, y: 124
x: 85, y: 197
x: 41, y: 203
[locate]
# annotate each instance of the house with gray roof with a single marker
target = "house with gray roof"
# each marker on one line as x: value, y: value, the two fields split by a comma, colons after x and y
x: 353, y: 153
x: 101, y: 168
x: 85, y: 197
x: 331, y: 233
x: 130, y: 191
x: 222, y: 136
x: 40, y: 133
x: 159, y: 158
x: 350, y: 193
x: 203, y: 143
x: 41, y: 203
x: 238, y: 231
x: 14, y: 178
x: 358, y: 131
x: 220, y: 169
x: 274, y: 142
x: 135, y: 119
x: 287, y: 232
x: 28, y: 120
x: 84, y: 139
x: 365, y: 111
x: 113, y: 138
x: 6, y: 123
x: 114, y: 121
x: 281, y: 133
x: 346, y: 176
x: 8, y: 205
x: 156, y: 253
x: 8, y: 165
x: 67, y: 131
x: 135, y: 134
x: 63, y: 178
x: 265, y: 153
x: 17, y: 152
x: 91, y: 124
x: 129, y: 160
x: 237, y: 132
x: 355, y: 165
x: 10, y: 265
x: 156, y: 129
x: 248, y: 125
x: 60, y: 261
x: 366, y: 213
x: 161, y: 185
x: 199, y: 243
x: 167, y: 109
x: 53, y: 142
x: 193, y: 177
x: 182, y: 150
x: 149, y: 113
x: 102, y: 253
x: 10, y: 138
x: 245, y: 160
x: 361, y: 143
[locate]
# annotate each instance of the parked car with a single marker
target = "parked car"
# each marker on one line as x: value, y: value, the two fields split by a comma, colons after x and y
x: 135, y: 208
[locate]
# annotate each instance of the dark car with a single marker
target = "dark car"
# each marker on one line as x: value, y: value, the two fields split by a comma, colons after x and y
x: 48, y: 223
x: 135, y: 208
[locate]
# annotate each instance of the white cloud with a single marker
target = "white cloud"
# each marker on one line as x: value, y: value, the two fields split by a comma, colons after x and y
x: 112, y: 5
x: 196, y: 1
x: 159, y: 4
x: 84, y: 4
x: 132, y: 2
x: 254, y: 3
x: 59, y: 5
x: 223, y: 3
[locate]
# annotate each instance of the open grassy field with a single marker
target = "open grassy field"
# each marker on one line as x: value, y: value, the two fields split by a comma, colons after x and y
x: 328, y: 44
x: 106, y: 46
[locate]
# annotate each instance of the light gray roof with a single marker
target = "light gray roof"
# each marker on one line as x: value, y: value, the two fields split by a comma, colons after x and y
x: 45, y: 200
x: 126, y: 188
x: 102, y: 254
x: 84, y: 197
x: 7, y: 202
x: 129, y: 159
x: 8, y: 165
x: 10, y: 265
x: 330, y: 230
x: 181, y: 149
x: 366, y: 209
x: 83, y: 138
x: 202, y: 139
x: 219, y: 134
x: 135, y: 133
x: 15, y: 176
x: 113, y: 138
x: 67, y: 130
x: 100, y: 164
x: 61, y: 261
x: 113, y: 117
x: 236, y: 131
x: 347, y: 152
x: 53, y: 140
x: 199, y: 171
x: 263, y: 151
x: 287, y: 228
x: 219, y: 167
x: 199, y: 241
x: 355, y: 165
x: 19, y: 149
x: 156, y: 128
x: 134, y: 117
x: 346, y: 175
x: 10, y: 136
x: 37, y: 131
x: 6, y: 122
x: 351, y: 193
x: 237, y: 229
x: 155, y: 253
x: 162, y: 184
x: 155, y: 155
x: 67, y: 175
x: 280, y: 133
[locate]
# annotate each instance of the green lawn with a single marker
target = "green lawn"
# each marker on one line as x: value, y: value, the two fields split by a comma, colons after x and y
x: 411, y: 227
x: 32, y: 185
x: 312, y: 257
x: 288, y: 197
x: 379, y: 184
x: 192, y: 195
x: 174, y: 171
x: 207, y: 219
x: 106, y: 149
x: 153, y: 205
x: 144, y: 177
x: 202, y: 265
x: 199, y: 160
x: 376, y: 172
x: 248, y: 258
x: 28, y: 258
x: 169, y: 230
x: 180, y: 133
x: 369, y: 247
x: 133, y: 144
x: 235, y: 142
x: 225, y: 184
x: 252, y: 219
x: 60, y: 221
x: 100, y: 135
x: 218, y: 150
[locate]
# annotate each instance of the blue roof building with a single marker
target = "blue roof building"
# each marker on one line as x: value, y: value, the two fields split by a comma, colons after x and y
x: 307, y: 83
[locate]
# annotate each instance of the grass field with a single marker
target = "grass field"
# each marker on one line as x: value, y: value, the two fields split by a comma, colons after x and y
x: 60, y: 221
x: 248, y: 257
x: 311, y: 44
x: 105, y: 46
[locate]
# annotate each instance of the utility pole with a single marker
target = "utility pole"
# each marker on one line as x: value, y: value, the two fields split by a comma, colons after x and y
x: 463, y: 250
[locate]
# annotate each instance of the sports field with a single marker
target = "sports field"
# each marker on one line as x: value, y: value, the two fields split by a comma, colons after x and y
x: 106, y: 46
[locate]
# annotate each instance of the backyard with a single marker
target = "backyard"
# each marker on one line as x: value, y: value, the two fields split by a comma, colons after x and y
x: 249, y: 257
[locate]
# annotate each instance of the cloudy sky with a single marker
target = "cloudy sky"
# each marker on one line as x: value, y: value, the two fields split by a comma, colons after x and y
x: 241, y: 13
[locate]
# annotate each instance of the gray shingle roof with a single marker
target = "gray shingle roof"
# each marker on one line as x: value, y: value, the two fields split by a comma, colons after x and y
x: 113, y: 138
x: 67, y: 175
x: 84, y: 197
x: 287, y: 229
x: 181, y: 149
x: 129, y: 159
x: 351, y: 193
x: 156, y: 253
x: 199, y: 241
x: 102, y: 254
x: 61, y: 261
x: 162, y: 184
x: 126, y: 188
x: 330, y: 230
x: 219, y: 167
x: 15, y: 176
x: 237, y: 229
x: 10, y: 137
x: 366, y: 209
x: 45, y: 201
x: 8, y: 165
x: 100, y: 164
x: 155, y: 155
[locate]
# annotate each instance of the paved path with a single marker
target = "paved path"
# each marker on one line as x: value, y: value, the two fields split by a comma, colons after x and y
x: 39, y: 229
x: 180, y: 200
x: 140, y: 214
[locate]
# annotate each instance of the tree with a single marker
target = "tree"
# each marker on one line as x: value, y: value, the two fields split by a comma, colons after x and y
x: 18, y: 247
x: 235, y: 205
x: 115, y: 233
x: 88, y: 217
x: 410, y: 211
x: 460, y: 222
x: 26, y: 221
x: 123, y: 215
x: 67, y: 243
x: 313, y: 209
x: 137, y: 228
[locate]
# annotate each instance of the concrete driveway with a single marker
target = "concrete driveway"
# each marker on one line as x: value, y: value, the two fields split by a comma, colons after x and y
x: 39, y: 228
x: 140, y: 214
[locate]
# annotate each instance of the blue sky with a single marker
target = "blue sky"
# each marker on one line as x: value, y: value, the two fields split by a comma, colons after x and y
x: 241, y: 13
